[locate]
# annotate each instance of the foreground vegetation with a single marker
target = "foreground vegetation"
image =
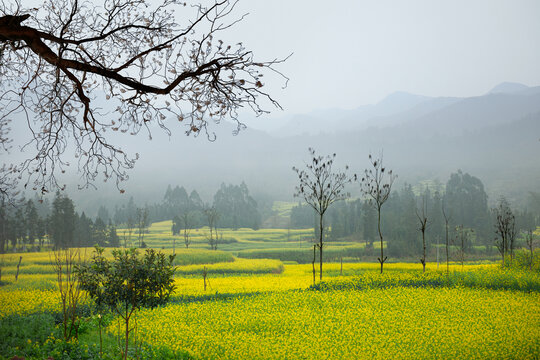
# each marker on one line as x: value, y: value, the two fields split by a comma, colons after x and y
x: 267, y: 309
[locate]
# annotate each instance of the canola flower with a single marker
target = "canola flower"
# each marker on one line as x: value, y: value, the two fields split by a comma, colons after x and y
x: 396, y: 323
x: 28, y: 301
x: 239, y: 266
x: 268, y: 314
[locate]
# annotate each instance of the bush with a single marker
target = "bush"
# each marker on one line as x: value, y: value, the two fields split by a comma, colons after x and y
x: 522, y: 260
x: 485, y: 279
x: 18, y: 331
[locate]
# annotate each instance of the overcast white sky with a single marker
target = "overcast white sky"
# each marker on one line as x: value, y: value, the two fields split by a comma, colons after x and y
x: 349, y: 53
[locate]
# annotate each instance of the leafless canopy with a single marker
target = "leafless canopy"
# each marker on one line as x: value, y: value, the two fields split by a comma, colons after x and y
x: 77, y: 69
x: 320, y: 186
x: 377, y: 182
x: 377, y: 186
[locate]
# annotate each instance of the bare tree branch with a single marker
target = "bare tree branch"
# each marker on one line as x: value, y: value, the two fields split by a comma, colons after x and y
x: 59, y: 61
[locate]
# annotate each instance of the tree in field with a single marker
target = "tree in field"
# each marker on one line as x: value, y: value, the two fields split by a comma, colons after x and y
x: 462, y: 242
x: 446, y: 228
x: 377, y: 185
x: 112, y: 237
x: 32, y: 222
x: 142, y: 224
x: 466, y: 198
x: 529, y: 242
x: 321, y: 186
x: 64, y: 260
x: 61, y: 62
x: 3, y: 225
x: 130, y: 225
x: 99, y: 233
x: 436, y: 221
x: 62, y: 222
x: 183, y: 223
x: 504, y: 228
x: 175, y: 229
x: 84, y: 234
x: 128, y: 283
x: 423, y: 220
x: 236, y: 207
x: 187, y: 218
x: 212, y: 217
x: 103, y: 214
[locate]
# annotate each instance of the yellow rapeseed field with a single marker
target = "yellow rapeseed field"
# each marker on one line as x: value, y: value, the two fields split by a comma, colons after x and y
x: 264, y: 309
x: 397, y: 323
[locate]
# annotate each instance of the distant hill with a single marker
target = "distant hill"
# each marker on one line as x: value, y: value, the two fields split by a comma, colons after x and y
x: 494, y: 137
x: 508, y: 88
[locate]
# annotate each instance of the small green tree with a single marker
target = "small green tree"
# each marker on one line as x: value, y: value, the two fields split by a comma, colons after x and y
x: 128, y: 282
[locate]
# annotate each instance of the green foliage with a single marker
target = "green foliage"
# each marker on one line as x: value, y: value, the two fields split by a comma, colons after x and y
x: 522, y: 260
x: 17, y: 331
x: 236, y: 208
x: 62, y: 221
x: 491, y: 279
x: 128, y: 281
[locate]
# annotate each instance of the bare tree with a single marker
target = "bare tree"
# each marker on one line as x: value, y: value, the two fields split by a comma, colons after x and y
x: 142, y: 224
x: 529, y: 240
x: 423, y: 219
x: 64, y: 261
x: 377, y: 185
x: 187, y: 219
x: 446, y: 223
x: 505, y: 228
x: 461, y: 241
x: 212, y: 217
x: 320, y: 187
x: 130, y: 224
x: 60, y: 61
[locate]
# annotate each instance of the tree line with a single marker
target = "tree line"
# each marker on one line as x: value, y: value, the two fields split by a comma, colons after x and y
x: 36, y: 222
x: 463, y: 199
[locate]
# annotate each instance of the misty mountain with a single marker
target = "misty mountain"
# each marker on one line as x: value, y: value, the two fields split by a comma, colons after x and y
x: 317, y: 122
x: 494, y: 137
x: 508, y: 88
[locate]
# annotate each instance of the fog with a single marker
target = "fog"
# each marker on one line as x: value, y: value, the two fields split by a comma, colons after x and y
x: 435, y: 87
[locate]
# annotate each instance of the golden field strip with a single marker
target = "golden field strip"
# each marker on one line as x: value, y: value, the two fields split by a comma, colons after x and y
x: 268, y: 309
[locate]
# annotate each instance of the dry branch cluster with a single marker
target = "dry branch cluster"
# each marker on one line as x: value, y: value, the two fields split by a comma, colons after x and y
x: 65, y: 65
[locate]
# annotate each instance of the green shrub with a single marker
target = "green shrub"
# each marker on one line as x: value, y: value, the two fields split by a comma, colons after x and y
x: 481, y: 279
x: 18, y: 331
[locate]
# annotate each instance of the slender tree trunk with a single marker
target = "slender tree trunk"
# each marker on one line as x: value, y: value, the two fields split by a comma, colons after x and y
x: 381, y: 259
x: 313, y: 262
x: 530, y: 245
x: 127, y: 338
x: 504, y: 246
x: 320, y: 245
x: 438, y: 252
x: 100, y: 338
x: 18, y: 265
x: 447, y: 263
x: 424, y: 251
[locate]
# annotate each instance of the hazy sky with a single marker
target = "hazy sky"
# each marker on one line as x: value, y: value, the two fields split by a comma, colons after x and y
x: 349, y: 53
